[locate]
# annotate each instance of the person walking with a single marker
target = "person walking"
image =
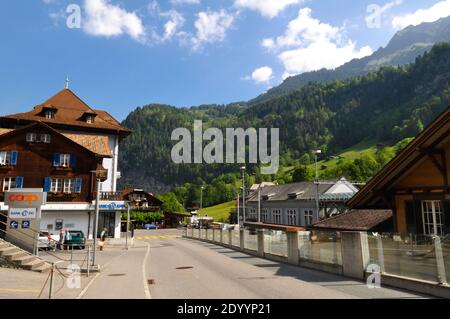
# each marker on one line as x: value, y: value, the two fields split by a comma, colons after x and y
x: 102, y: 239
x: 62, y: 236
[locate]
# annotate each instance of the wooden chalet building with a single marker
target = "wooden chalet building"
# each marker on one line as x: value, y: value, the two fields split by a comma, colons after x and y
x: 415, y: 184
x: 63, y: 146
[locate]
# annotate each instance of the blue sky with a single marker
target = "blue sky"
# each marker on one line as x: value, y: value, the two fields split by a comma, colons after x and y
x: 184, y: 52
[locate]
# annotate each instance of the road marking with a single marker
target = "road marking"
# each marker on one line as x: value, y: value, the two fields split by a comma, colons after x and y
x: 19, y: 290
x: 97, y: 275
x: 144, y: 273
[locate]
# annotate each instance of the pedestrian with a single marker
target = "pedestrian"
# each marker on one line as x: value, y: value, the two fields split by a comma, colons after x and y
x: 102, y: 239
x: 61, y: 239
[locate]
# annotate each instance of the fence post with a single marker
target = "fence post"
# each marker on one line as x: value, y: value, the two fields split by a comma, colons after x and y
x: 221, y: 235
x: 230, y: 239
x: 242, y: 238
x: 50, y: 290
x: 260, y: 234
x: 206, y: 234
x: 214, y: 235
x: 292, y: 247
x: 88, y: 259
x: 354, y: 254
x: 442, y: 277
x: 192, y: 232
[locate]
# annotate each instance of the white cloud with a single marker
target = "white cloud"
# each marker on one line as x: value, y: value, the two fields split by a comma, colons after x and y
x: 262, y: 75
x: 105, y: 19
x: 180, y: 2
x: 211, y: 27
x: 268, y: 8
x: 311, y: 45
x: 431, y: 14
x: 173, y: 26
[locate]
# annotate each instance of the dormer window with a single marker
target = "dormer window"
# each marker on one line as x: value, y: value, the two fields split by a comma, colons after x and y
x: 31, y: 137
x: 49, y: 114
x: 89, y: 119
x: 46, y: 138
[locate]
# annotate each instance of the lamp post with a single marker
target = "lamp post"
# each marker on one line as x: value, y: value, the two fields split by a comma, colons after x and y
x: 316, y: 154
x: 97, y: 209
x: 243, y: 192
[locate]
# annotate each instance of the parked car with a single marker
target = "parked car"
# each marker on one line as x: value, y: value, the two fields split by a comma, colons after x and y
x: 75, y: 239
x: 150, y: 226
x: 45, y: 243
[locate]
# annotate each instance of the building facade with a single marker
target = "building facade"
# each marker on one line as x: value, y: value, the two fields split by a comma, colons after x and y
x: 295, y: 204
x: 415, y: 184
x: 64, y: 147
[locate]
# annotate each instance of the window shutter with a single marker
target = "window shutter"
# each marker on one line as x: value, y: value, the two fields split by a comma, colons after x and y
x: 418, y: 213
x: 56, y: 160
x: 19, y: 182
x: 14, y: 155
x: 47, y: 184
x: 73, y: 161
x: 446, y: 217
x: 78, y: 185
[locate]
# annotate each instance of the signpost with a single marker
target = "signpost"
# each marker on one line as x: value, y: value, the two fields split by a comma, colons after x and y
x: 25, y: 205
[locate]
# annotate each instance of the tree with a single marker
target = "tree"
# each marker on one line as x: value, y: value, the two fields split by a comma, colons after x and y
x: 302, y: 173
x: 171, y: 203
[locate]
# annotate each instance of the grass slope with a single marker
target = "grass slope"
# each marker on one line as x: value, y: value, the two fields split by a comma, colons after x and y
x: 220, y: 212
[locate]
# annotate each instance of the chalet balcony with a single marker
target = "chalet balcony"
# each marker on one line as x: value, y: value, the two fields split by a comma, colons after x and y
x: 110, y: 196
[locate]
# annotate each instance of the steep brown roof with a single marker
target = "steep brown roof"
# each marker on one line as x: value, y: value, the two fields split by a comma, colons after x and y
x: 5, y: 130
x: 70, y: 110
x: 435, y: 134
x: 355, y: 220
x: 97, y: 144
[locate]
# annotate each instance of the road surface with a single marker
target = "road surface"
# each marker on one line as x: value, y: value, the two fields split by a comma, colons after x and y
x: 162, y: 265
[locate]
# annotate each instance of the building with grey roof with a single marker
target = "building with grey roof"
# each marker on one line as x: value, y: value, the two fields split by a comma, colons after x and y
x: 295, y: 204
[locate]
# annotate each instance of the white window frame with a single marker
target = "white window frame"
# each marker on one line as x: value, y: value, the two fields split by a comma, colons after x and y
x: 46, y: 138
x: 276, y: 216
x: 309, y: 217
x: 433, y: 217
x: 64, y: 160
x: 8, y: 183
x: 89, y: 119
x: 292, y: 216
x: 5, y: 158
x: 49, y: 114
x: 264, y: 215
x: 31, y: 137
x: 69, y: 186
x: 56, y: 185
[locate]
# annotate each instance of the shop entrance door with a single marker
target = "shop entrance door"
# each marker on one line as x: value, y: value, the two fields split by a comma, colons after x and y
x: 107, y: 220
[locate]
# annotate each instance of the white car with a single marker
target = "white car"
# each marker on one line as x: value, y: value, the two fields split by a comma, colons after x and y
x: 45, y: 243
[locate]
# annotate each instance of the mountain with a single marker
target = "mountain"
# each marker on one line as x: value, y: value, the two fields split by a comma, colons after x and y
x: 403, y: 48
x: 383, y: 106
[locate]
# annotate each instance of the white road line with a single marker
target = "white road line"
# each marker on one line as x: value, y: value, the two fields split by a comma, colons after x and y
x: 144, y: 273
x: 97, y: 275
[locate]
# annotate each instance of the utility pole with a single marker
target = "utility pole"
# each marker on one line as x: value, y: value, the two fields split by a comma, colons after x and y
x: 97, y: 209
x: 259, y: 203
x: 243, y: 193
x: 238, y: 209
x: 316, y: 153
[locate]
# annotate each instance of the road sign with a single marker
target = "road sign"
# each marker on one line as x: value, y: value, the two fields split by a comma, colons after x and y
x: 13, y: 224
x: 23, y: 213
x: 25, y: 198
x: 26, y: 224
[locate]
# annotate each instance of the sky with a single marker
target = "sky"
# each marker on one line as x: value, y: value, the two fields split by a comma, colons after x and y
x: 121, y: 54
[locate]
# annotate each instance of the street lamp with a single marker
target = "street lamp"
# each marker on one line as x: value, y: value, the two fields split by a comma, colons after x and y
x: 243, y: 168
x: 316, y: 154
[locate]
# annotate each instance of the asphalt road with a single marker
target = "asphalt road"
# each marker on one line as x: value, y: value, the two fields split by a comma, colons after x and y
x: 162, y: 265
x: 189, y: 269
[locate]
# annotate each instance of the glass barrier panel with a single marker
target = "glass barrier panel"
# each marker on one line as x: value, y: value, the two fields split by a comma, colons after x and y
x: 408, y: 256
x: 209, y: 234
x: 321, y: 246
x: 275, y: 242
x: 225, y: 237
x: 445, y: 243
x: 251, y: 239
x: 235, y: 238
x: 196, y: 233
